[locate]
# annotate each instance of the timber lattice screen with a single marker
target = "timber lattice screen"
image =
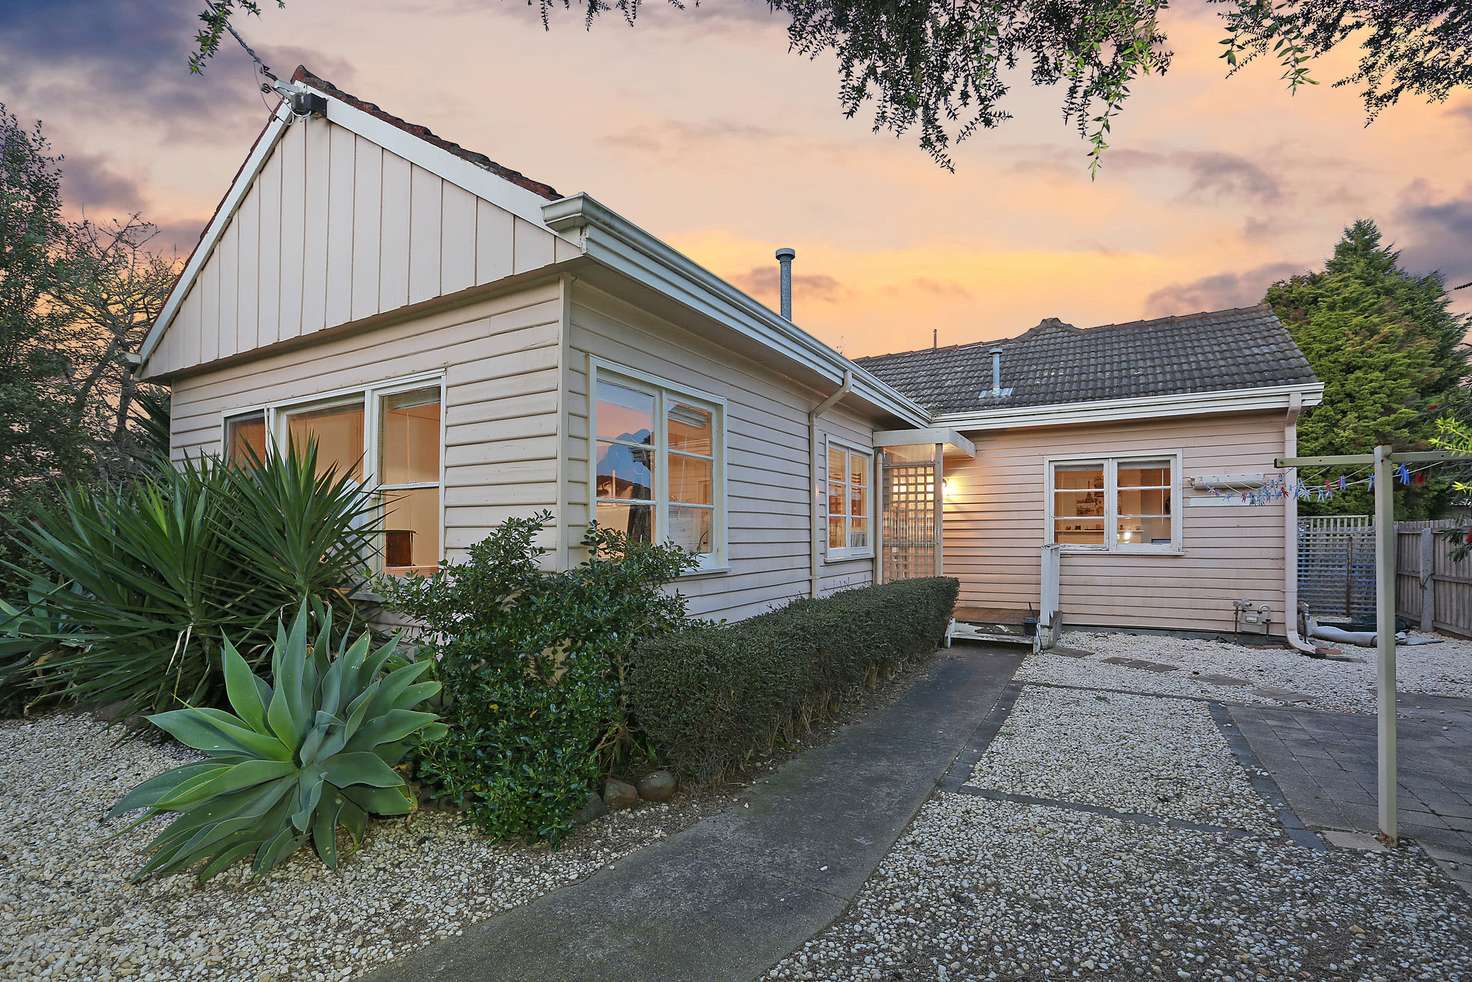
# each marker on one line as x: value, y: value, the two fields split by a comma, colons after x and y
x: 1336, y: 567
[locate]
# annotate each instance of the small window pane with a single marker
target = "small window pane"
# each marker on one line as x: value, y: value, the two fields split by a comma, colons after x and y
x: 835, y: 498
x: 835, y: 533
x: 858, y: 533
x: 411, y: 530
x: 690, y: 429
x: 245, y: 435
x: 858, y: 501
x: 835, y: 464
x: 410, y: 438
x: 858, y: 468
x: 1079, y: 477
x: 339, y: 434
x: 1079, y: 531
x: 625, y: 413
x: 635, y: 521
x: 690, y: 480
x: 690, y: 528
x: 1078, y: 503
x: 1144, y: 501
x: 625, y: 472
x: 1144, y: 474
x: 1144, y: 531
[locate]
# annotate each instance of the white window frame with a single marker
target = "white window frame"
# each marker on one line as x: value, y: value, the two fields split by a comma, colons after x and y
x: 1111, y: 463
x: 845, y: 553
x: 718, y: 559
x: 372, y: 400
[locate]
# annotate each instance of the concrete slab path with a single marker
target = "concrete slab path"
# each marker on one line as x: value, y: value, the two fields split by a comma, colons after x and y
x: 730, y: 896
x: 1325, y: 764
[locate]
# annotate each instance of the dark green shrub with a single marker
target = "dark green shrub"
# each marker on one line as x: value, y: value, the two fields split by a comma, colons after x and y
x: 531, y: 660
x: 715, y: 697
x: 292, y: 762
x: 152, y: 577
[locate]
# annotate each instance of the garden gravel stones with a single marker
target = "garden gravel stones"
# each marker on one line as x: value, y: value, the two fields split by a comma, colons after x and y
x: 1131, y: 753
x: 68, y: 911
x: 1252, y: 675
x: 986, y: 889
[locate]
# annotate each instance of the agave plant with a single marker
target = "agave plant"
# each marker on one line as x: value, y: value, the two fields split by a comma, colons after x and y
x: 315, y: 752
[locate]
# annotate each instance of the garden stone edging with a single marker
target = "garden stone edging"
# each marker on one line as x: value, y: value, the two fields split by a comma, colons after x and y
x: 730, y: 896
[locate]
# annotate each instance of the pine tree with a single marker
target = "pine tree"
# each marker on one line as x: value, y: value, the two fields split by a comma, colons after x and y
x: 1389, y: 351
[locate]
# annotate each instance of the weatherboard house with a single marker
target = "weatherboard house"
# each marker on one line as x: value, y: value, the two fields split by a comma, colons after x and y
x: 480, y: 346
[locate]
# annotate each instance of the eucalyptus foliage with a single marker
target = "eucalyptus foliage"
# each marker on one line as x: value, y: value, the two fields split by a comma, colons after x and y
x: 295, y: 761
x: 153, y: 576
x: 945, y: 67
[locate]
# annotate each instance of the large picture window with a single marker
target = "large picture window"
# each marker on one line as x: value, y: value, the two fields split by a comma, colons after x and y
x: 386, y: 436
x: 658, y: 462
x: 850, y: 473
x: 1115, y: 504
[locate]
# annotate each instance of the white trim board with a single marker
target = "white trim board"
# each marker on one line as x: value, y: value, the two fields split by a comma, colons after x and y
x: 1274, y: 397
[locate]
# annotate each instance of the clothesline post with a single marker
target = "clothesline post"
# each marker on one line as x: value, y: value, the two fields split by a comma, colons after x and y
x: 1385, y: 644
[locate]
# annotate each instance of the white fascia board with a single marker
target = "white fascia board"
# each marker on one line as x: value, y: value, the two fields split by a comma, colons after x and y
x: 621, y: 245
x: 280, y: 119
x: 1146, y: 407
x: 925, y: 435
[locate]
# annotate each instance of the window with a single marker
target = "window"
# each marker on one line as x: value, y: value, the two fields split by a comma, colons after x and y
x: 400, y: 454
x: 1117, y: 504
x: 245, y: 435
x: 658, y: 461
x: 849, y: 475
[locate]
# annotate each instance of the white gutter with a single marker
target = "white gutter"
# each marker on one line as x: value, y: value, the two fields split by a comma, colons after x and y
x: 1290, y: 535
x: 814, y: 530
x: 1144, y: 407
x: 619, y: 244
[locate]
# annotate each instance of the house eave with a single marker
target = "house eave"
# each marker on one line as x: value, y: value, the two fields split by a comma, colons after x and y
x: 1265, y: 398
x: 616, y: 242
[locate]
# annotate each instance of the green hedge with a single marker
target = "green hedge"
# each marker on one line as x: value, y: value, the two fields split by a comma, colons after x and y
x: 713, y: 698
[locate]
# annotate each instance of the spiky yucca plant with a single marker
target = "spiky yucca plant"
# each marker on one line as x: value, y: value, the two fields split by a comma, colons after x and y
x: 316, y: 751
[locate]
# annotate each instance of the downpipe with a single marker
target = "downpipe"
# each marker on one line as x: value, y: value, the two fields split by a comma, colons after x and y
x: 1290, y: 540
x: 816, y: 496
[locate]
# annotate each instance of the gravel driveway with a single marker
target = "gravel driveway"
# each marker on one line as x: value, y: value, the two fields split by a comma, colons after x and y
x: 68, y: 912
x: 1108, y: 835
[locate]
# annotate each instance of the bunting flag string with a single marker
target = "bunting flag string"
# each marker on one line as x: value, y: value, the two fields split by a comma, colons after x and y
x: 1279, y: 488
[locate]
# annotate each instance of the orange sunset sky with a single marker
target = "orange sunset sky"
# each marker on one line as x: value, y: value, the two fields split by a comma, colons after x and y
x: 704, y: 129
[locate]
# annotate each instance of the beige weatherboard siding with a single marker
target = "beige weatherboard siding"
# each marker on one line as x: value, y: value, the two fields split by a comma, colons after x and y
x: 335, y: 228
x: 766, y: 454
x: 499, y: 362
x: 995, y: 518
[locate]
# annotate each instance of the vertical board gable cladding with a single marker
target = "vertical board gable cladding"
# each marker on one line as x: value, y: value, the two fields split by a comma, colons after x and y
x: 333, y: 229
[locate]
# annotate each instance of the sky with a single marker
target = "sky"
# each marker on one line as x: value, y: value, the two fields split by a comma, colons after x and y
x: 702, y: 127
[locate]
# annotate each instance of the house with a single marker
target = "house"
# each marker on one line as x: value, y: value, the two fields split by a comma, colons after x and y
x: 480, y: 346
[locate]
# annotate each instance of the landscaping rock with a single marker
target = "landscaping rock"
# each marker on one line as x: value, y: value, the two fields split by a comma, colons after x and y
x: 657, y: 786
x: 592, y: 808
x: 619, y: 794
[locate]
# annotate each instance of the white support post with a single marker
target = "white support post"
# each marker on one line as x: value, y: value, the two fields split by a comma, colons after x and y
x: 1385, y: 639
x: 939, y: 492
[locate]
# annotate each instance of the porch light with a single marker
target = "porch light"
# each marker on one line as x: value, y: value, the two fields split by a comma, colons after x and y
x: 947, y: 489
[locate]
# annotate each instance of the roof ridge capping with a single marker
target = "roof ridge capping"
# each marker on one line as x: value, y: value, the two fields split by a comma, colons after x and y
x: 306, y: 76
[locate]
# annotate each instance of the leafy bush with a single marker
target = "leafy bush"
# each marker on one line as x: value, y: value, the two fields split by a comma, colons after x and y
x: 153, y: 576
x: 315, y: 752
x: 30, y: 635
x: 532, y: 660
x: 713, y: 698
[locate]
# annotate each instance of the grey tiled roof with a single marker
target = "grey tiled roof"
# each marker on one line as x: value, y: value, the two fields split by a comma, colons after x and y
x: 1058, y: 363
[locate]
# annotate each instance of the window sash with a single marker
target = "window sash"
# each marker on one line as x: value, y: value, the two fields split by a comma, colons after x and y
x: 1112, y: 515
x: 666, y: 396
x: 370, y: 398
x: 839, y: 485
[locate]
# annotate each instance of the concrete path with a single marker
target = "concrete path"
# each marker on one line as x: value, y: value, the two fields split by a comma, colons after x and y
x: 1325, y: 765
x: 733, y: 894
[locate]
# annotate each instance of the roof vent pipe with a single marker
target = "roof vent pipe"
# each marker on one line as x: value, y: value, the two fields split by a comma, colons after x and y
x: 996, y: 371
x: 784, y: 261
